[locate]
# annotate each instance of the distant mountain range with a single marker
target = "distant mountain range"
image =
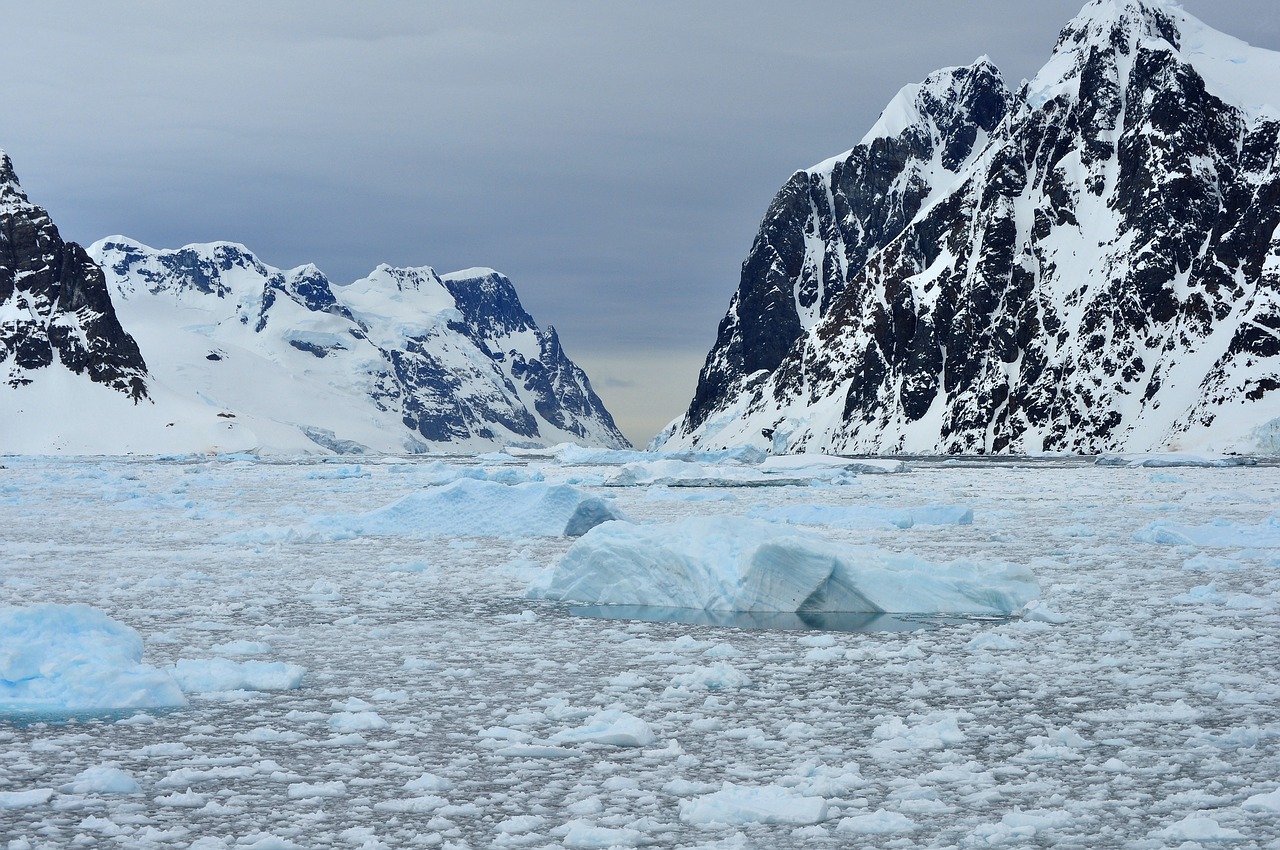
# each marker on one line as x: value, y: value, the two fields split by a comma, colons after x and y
x: 1089, y: 263
x: 125, y: 348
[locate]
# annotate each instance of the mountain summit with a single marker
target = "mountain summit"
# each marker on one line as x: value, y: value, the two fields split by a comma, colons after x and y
x: 1088, y: 264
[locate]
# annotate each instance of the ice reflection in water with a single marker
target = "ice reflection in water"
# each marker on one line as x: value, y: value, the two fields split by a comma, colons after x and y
x: 826, y: 621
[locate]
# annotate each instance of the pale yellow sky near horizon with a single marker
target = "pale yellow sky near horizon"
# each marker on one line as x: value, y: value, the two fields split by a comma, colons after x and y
x: 640, y: 405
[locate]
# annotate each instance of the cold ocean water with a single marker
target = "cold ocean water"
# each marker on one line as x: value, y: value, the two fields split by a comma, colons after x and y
x: 1137, y: 706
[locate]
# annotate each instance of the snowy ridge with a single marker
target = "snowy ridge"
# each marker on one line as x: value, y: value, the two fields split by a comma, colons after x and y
x: 1099, y: 274
x: 394, y: 362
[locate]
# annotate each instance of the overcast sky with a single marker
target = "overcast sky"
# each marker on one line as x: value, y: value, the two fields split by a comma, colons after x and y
x: 613, y: 159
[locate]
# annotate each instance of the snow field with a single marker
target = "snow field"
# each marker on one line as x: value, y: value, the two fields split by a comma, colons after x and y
x: 441, y: 709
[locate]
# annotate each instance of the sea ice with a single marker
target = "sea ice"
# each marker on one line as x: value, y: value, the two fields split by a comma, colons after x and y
x: 74, y: 658
x: 197, y: 676
x: 1220, y: 534
x: 682, y: 473
x: 736, y: 564
x: 879, y: 822
x: 868, y: 516
x: 612, y: 726
x: 478, y: 508
x: 745, y: 804
x: 103, y: 779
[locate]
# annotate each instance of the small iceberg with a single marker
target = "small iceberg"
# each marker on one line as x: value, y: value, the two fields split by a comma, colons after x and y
x: 63, y: 659
x: 736, y: 564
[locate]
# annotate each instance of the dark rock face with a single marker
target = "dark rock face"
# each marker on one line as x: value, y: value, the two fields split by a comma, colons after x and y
x: 561, y: 392
x: 1101, y: 275
x: 825, y: 223
x: 54, y: 303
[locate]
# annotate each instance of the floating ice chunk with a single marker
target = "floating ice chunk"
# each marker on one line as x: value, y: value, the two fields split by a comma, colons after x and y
x: 817, y: 465
x: 585, y: 835
x: 917, y: 732
x: 198, y: 676
x: 1198, y: 828
x: 1037, y: 612
x: 715, y: 677
x: 472, y: 508
x: 537, y: 751
x: 680, y: 473
x: 308, y: 790
x: 25, y: 799
x: 1263, y: 802
x: 428, y: 782
x: 735, y: 564
x: 611, y: 726
x: 879, y: 822
x: 737, y: 805
x: 1220, y: 534
x: 520, y: 824
x: 182, y: 799
x: 74, y: 658
x: 357, y: 721
x: 104, y: 779
x: 425, y: 803
x: 994, y: 642
x: 438, y: 473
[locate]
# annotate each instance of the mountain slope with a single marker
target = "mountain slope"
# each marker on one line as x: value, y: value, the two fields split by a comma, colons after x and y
x: 1102, y: 272
x: 402, y: 360
x: 54, y: 303
x: 74, y: 380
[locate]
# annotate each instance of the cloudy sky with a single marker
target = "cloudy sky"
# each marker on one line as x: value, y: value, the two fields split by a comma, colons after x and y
x: 613, y: 159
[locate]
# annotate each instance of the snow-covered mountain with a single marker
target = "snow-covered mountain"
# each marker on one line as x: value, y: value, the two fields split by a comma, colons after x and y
x: 1090, y: 263
x: 402, y: 360
x: 74, y: 380
x: 242, y: 356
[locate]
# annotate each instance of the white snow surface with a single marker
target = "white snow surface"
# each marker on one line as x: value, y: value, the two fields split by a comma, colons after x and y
x: 1136, y: 706
x: 738, y: 564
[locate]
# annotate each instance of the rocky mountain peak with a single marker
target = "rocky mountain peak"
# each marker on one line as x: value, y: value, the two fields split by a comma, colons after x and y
x: 55, y: 310
x: 1098, y: 273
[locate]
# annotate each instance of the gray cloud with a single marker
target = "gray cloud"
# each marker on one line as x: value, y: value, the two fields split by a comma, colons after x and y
x: 613, y: 159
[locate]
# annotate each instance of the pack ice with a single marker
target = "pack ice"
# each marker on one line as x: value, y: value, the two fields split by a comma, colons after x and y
x: 736, y: 564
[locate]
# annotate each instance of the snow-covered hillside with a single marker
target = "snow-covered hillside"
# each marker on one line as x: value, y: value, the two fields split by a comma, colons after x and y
x: 402, y: 360
x: 1086, y: 264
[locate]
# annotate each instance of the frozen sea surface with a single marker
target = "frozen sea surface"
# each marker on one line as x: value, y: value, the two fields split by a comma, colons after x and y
x: 1137, y: 707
